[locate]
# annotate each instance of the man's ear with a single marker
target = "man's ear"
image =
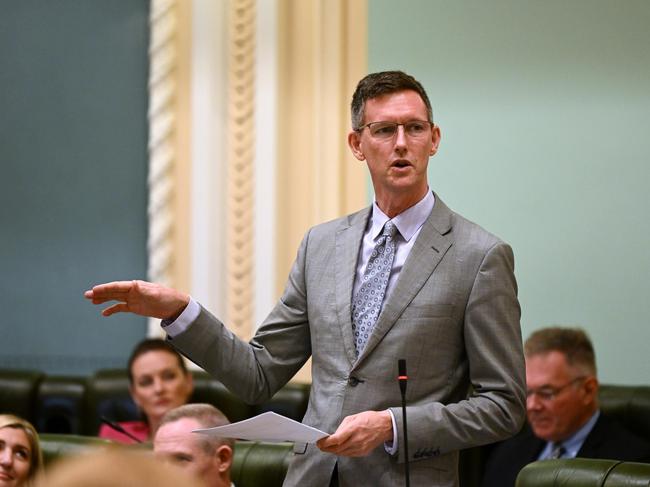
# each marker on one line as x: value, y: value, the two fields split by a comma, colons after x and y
x: 354, y: 141
x: 224, y: 454
x: 435, y: 139
x: 591, y: 388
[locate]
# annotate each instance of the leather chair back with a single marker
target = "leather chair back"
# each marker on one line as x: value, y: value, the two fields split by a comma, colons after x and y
x: 60, y: 403
x: 290, y: 401
x: 209, y: 390
x: 260, y: 463
x: 630, y: 405
x: 584, y: 472
x: 18, y: 392
x: 108, y: 396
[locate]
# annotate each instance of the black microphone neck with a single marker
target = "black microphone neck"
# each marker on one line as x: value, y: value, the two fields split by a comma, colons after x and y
x: 402, y: 377
x: 117, y: 427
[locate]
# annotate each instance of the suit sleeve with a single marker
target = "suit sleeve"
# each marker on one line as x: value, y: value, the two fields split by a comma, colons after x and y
x: 255, y: 370
x: 493, y: 361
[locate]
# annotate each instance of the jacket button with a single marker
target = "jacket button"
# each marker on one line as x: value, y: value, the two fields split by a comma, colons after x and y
x: 353, y: 381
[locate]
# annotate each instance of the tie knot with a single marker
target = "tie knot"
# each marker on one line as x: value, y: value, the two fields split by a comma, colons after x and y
x: 389, y: 229
x: 557, y: 451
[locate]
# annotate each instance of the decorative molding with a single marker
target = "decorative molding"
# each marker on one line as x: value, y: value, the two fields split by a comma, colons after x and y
x: 241, y: 159
x: 167, y: 211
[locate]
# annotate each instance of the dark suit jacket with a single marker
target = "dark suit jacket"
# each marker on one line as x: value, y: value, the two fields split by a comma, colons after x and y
x: 607, y: 440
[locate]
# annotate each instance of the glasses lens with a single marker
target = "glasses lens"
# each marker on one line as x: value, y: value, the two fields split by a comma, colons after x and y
x: 383, y: 130
x: 416, y: 128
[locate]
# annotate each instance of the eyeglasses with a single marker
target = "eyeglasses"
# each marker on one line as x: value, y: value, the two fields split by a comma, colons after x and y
x: 387, y: 130
x: 548, y: 393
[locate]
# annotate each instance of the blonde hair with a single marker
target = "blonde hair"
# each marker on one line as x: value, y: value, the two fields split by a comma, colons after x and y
x: 36, y: 458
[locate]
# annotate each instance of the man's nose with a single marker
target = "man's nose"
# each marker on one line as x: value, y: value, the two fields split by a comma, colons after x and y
x: 533, y: 403
x: 400, y: 136
x: 400, y: 140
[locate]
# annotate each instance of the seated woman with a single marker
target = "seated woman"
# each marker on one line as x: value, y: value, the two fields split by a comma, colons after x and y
x: 158, y: 381
x: 20, y: 453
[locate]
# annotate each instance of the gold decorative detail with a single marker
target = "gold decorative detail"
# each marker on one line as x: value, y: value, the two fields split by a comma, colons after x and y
x: 241, y: 142
x: 162, y: 153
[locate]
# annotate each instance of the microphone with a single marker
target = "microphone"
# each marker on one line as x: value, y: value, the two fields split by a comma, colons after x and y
x: 403, y: 378
x: 117, y: 427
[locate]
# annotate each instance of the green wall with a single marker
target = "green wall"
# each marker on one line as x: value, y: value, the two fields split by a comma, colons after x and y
x: 544, y: 108
x: 73, y: 159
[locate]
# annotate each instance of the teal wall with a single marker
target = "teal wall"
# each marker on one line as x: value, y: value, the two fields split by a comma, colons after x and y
x: 73, y: 159
x: 544, y: 108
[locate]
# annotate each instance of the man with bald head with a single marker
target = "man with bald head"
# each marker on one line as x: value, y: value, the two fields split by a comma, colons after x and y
x: 207, y: 458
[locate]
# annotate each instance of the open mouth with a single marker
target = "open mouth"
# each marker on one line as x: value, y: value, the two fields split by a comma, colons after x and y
x: 401, y: 164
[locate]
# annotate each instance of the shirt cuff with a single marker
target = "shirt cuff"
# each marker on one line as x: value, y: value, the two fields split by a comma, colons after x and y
x: 391, y: 448
x: 183, y: 322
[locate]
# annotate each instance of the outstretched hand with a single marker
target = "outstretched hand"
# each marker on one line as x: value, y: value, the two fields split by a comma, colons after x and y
x: 359, y: 434
x: 139, y: 297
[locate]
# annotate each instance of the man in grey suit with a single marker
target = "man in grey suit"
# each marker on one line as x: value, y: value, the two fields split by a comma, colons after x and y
x: 449, y: 308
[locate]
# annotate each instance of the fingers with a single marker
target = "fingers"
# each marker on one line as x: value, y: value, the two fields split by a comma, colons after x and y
x: 359, y: 434
x: 116, y: 308
x: 101, y: 293
x: 333, y: 442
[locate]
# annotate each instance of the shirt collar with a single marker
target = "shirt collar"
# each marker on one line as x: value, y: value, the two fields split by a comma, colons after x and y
x: 575, y: 441
x: 408, y: 222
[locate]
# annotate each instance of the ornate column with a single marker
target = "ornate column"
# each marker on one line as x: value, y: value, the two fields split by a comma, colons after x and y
x: 241, y: 175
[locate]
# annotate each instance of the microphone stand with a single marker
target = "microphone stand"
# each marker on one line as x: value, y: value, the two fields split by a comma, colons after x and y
x: 403, y: 378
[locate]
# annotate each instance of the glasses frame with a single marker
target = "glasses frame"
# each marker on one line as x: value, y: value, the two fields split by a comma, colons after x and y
x: 396, y: 125
x: 549, y: 393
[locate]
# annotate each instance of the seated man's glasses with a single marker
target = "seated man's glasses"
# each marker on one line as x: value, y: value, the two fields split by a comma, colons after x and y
x: 548, y: 393
x: 387, y: 130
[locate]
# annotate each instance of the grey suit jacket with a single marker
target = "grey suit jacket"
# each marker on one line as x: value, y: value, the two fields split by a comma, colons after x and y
x: 453, y: 315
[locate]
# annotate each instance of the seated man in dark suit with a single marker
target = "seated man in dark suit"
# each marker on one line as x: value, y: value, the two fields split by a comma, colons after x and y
x: 564, y: 420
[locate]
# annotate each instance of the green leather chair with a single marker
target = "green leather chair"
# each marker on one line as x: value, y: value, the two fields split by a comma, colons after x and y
x: 258, y: 463
x: 60, y: 403
x: 18, y: 390
x: 628, y: 404
x: 55, y: 446
x: 290, y: 401
x: 107, y: 395
x: 584, y: 472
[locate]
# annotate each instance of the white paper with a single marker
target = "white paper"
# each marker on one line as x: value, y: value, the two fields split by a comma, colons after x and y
x: 267, y: 426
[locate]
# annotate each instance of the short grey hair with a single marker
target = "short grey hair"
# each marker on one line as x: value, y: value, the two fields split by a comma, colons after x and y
x: 574, y: 343
x: 207, y: 416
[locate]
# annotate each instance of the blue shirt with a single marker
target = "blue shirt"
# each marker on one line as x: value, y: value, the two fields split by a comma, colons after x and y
x: 574, y: 442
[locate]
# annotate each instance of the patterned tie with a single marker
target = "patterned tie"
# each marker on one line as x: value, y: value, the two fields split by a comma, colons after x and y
x: 367, y: 303
x: 558, y: 451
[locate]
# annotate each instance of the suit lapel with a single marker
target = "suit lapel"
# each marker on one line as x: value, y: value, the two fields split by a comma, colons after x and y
x: 594, y: 440
x: 428, y: 250
x: 348, y: 242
